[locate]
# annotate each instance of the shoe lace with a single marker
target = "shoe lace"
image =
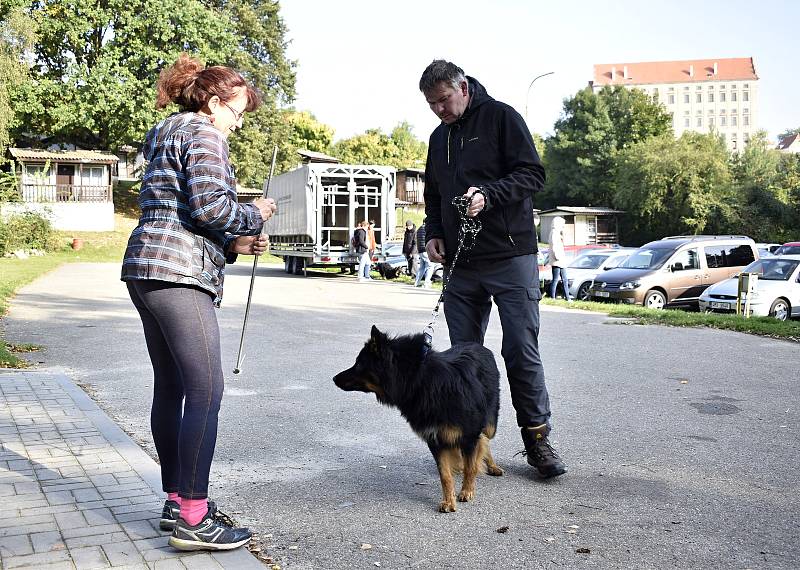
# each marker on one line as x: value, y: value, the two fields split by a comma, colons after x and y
x: 223, y: 518
x: 540, y: 450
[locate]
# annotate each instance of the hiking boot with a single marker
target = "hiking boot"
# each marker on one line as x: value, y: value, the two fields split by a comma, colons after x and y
x: 172, y: 512
x: 209, y: 534
x: 540, y: 454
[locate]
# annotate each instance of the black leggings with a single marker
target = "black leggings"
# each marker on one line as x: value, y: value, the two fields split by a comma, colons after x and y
x: 182, y: 335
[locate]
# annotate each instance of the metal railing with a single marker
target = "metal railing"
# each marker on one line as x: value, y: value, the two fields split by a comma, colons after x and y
x: 64, y: 193
x: 413, y: 196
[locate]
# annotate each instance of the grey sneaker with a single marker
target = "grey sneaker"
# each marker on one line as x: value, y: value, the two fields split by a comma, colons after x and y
x: 209, y: 534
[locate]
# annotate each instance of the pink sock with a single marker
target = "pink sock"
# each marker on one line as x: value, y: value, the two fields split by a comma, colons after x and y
x: 193, y: 510
x: 174, y: 497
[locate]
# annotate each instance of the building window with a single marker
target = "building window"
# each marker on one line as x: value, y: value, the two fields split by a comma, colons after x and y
x: 746, y: 139
x: 745, y: 95
x: 711, y: 97
x: 686, y: 121
x: 723, y: 121
x: 671, y: 98
x: 746, y: 120
x: 711, y: 122
x: 685, y: 97
x: 699, y: 121
x: 733, y: 96
x: 734, y: 120
x: 722, y: 97
x: 699, y: 97
x: 722, y: 87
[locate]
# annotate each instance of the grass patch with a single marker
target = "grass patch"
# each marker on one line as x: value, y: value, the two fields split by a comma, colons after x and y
x: 761, y: 326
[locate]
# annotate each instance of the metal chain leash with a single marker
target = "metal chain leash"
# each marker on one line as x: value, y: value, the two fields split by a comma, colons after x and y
x: 468, y: 229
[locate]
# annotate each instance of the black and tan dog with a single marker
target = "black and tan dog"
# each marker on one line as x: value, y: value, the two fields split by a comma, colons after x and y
x: 451, y: 399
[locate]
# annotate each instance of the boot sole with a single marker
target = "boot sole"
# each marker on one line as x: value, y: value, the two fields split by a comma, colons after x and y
x: 549, y: 474
x: 188, y: 545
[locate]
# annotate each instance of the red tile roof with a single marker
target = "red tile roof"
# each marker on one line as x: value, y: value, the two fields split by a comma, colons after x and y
x: 731, y: 69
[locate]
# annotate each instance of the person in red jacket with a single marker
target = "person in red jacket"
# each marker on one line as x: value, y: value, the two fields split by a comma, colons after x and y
x: 483, y: 150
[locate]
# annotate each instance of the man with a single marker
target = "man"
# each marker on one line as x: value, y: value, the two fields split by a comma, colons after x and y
x: 361, y: 247
x: 484, y: 151
x: 410, y: 246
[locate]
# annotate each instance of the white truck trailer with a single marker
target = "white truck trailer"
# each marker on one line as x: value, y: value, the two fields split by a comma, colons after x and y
x: 319, y: 205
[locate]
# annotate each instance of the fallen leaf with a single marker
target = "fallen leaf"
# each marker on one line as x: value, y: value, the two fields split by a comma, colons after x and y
x: 366, y: 546
x: 382, y: 467
x: 583, y: 551
x: 377, y: 563
x: 684, y: 381
x: 574, y: 526
x: 550, y: 539
x: 571, y: 531
x: 502, y: 529
x: 293, y: 547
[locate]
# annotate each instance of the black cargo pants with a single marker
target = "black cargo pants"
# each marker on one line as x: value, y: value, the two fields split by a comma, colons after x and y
x: 513, y: 284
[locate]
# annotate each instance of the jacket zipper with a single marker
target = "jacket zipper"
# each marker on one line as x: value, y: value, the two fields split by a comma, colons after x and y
x: 508, y: 231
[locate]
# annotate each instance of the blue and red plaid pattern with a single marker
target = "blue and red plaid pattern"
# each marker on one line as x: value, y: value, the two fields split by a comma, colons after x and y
x: 189, y: 208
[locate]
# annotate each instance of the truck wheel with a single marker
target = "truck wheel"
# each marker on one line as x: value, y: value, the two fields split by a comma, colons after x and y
x: 654, y: 299
x: 780, y: 309
x: 288, y: 264
x: 299, y: 265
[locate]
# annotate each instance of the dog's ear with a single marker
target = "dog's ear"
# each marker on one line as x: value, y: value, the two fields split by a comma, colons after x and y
x: 376, y: 339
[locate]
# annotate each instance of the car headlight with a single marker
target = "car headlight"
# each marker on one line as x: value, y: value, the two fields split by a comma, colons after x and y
x: 628, y: 285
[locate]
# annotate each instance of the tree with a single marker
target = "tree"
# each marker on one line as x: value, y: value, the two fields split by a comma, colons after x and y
x: 673, y: 186
x: 401, y: 149
x: 766, y: 183
x: 789, y: 132
x: 594, y: 127
x: 96, y: 65
x: 16, y: 36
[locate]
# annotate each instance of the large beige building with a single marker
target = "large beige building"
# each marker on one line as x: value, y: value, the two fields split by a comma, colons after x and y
x: 701, y: 95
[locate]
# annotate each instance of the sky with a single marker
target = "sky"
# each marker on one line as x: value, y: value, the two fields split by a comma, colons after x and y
x: 359, y: 61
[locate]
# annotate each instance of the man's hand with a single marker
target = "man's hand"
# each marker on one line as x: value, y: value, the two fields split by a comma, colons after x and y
x: 435, y: 249
x: 478, y: 202
x: 249, y: 245
x: 266, y: 206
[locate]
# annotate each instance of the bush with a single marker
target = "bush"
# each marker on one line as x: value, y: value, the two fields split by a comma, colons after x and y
x: 28, y: 230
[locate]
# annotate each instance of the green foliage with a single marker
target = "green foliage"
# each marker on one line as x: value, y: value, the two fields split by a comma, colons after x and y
x: 673, y: 186
x: 27, y: 230
x: 401, y: 149
x: 9, y: 187
x: 16, y: 36
x: 789, y: 132
x: 96, y: 65
x: 581, y: 154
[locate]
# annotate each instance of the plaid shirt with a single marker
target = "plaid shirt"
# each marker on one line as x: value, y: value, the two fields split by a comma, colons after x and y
x: 189, y: 208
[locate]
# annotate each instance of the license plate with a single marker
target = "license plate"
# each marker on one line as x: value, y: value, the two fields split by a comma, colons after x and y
x: 717, y: 305
x: 602, y: 294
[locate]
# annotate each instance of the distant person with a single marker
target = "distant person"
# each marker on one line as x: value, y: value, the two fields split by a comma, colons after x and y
x: 558, y: 259
x: 373, y: 245
x: 190, y: 226
x: 410, y: 246
x: 426, y: 268
x: 483, y: 150
x: 361, y: 246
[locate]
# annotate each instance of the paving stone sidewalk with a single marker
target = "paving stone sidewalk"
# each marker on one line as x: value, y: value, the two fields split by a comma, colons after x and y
x: 76, y: 491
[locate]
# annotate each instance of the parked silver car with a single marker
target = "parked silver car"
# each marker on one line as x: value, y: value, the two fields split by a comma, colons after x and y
x: 584, y: 268
x: 777, y: 289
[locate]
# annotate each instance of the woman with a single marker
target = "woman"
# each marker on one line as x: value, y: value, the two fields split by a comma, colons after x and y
x: 190, y: 226
x: 558, y: 259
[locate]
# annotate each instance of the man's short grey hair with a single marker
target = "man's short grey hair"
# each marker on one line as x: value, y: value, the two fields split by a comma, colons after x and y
x: 440, y: 70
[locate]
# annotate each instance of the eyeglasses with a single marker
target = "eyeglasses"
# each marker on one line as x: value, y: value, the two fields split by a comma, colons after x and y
x: 236, y: 113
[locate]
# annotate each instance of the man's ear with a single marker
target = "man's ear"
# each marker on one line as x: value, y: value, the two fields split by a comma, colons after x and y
x: 464, y: 88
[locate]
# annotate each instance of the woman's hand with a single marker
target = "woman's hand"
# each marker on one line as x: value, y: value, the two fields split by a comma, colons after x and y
x: 249, y: 245
x: 266, y: 206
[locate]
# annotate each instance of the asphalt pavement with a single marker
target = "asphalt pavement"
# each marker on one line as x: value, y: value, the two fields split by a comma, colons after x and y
x: 682, y: 443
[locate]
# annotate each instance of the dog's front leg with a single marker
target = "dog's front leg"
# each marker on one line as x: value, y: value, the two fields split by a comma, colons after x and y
x: 446, y: 460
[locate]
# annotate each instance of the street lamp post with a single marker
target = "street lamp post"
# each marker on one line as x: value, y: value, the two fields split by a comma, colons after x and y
x: 528, y: 94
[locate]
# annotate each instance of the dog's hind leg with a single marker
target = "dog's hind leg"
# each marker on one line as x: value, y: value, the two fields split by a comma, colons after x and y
x: 472, y: 464
x: 447, y: 460
x: 491, y: 467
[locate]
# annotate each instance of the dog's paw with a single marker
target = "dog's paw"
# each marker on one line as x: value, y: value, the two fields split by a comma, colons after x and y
x: 465, y: 495
x: 494, y: 471
x: 448, y: 506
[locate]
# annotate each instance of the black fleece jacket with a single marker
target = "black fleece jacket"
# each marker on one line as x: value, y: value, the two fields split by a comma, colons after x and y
x: 489, y: 146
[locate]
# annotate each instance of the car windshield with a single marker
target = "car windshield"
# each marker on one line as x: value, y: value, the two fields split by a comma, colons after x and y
x: 588, y: 261
x: 647, y: 258
x: 788, y: 250
x: 772, y: 269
